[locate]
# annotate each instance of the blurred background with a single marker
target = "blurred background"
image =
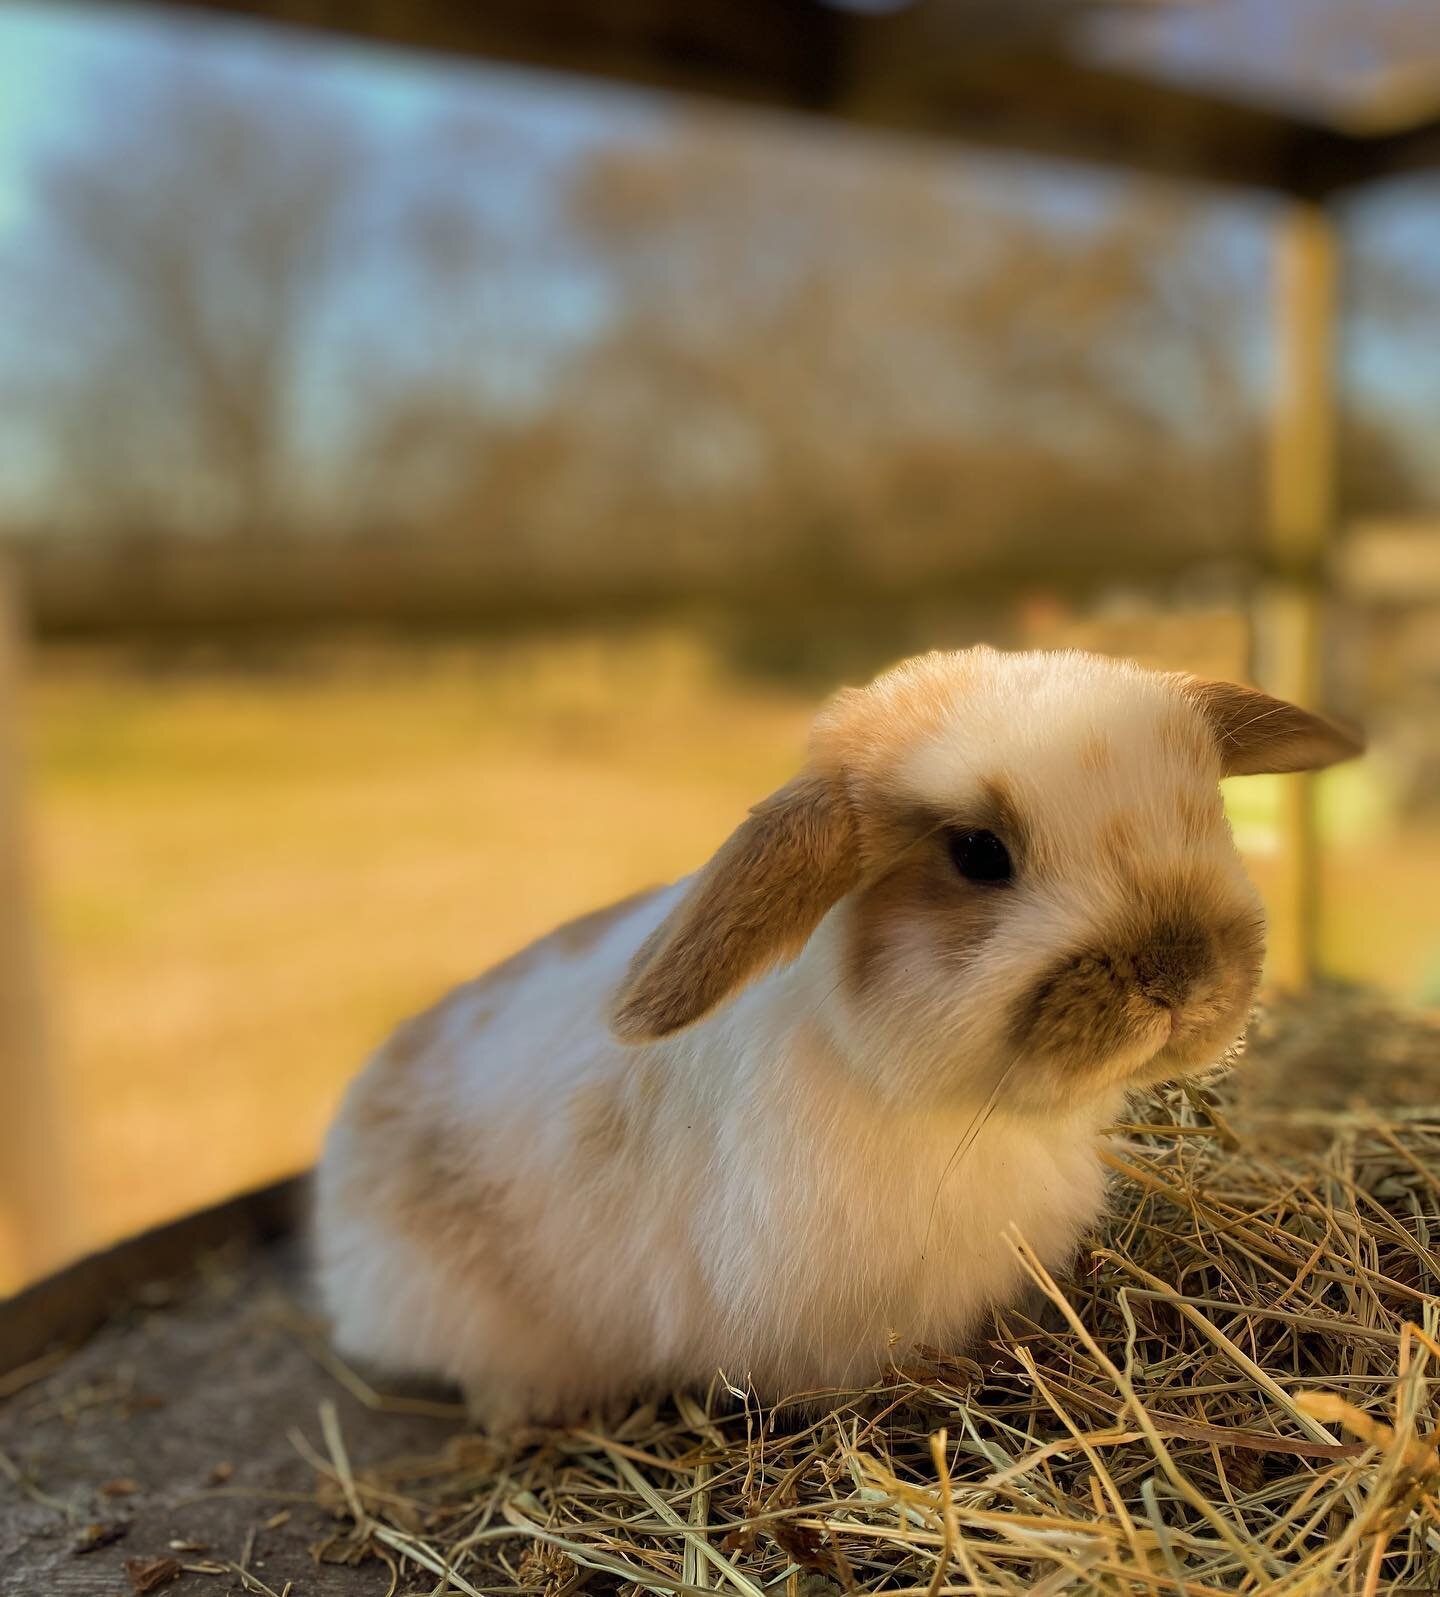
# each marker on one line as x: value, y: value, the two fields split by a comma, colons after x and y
x: 434, y: 490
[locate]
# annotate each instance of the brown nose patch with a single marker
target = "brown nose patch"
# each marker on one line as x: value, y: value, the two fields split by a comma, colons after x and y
x: 1086, y: 1002
x: 1172, y: 961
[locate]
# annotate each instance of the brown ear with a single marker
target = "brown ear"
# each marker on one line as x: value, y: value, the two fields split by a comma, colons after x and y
x: 1258, y: 733
x: 753, y: 905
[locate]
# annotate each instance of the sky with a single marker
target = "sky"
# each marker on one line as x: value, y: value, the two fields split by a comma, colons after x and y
x: 53, y: 53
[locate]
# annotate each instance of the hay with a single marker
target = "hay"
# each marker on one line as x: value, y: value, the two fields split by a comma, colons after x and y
x: 1234, y: 1390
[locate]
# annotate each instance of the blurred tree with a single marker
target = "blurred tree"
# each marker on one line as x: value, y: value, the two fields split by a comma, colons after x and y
x: 184, y: 264
x: 841, y: 362
x: 246, y: 311
x: 1387, y: 464
x: 1377, y: 475
x: 254, y: 307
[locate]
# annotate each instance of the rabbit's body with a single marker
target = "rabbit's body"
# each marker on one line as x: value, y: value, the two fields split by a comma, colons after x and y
x: 766, y: 1219
x: 779, y: 1119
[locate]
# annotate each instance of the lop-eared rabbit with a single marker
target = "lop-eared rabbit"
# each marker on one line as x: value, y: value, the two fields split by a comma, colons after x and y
x: 779, y: 1117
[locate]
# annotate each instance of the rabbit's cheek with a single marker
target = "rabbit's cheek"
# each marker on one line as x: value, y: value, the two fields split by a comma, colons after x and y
x: 1085, y: 1011
x: 917, y: 922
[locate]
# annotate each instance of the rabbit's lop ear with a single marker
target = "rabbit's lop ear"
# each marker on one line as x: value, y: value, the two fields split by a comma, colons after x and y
x: 1258, y: 733
x: 754, y: 905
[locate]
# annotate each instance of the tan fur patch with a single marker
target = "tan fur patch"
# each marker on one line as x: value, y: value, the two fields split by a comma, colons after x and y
x: 373, y: 1109
x: 615, y: 1119
x: 1179, y: 735
x: 1164, y: 894
x: 755, y: 904
x: 869, y: 730
x: 1120, y: 840
x: 1097, y: 754
x: 414, y: 1041
x: 426, y: 1178
x: 449, y: 1208
x: 598, y: 1110
x: 922, y: 893
x: 866, y: 735
x: 1198, y: 813
x: 1007, y: 817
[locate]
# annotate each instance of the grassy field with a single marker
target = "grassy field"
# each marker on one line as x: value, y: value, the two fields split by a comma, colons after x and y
x: 248, y: 877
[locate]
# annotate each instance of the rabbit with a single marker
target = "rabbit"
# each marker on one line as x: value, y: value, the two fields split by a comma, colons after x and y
x: 777, y: 1119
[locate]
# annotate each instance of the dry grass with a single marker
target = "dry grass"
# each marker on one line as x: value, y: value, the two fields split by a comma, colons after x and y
x: 1235, y: 1390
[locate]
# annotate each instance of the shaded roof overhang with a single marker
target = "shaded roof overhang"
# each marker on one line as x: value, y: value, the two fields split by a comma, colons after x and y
x: 938, y: 68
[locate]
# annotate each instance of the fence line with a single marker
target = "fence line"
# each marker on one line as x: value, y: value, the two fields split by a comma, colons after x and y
x: 149, y: 590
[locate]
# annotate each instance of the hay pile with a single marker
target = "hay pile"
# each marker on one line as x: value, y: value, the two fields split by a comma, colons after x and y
x: 1235, y: 1390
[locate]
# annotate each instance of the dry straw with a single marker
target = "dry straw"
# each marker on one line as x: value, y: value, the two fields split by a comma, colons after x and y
x: 1233, y: 1390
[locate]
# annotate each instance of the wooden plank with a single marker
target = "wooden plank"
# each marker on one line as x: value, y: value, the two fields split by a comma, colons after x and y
x: 35, y: 1194
x: 195, y: 589
x: 1401, y: 153
x: 63, y: 1309
x: 925, y: 69
x: 1043, y: 102
x: 1300, y: 520
x: 1391, y: 561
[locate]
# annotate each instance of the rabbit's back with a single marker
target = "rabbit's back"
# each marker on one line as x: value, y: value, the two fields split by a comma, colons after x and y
x: 452, y: 1194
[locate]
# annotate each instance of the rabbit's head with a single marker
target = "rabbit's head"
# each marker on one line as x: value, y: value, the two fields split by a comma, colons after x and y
x: 1018, y: 869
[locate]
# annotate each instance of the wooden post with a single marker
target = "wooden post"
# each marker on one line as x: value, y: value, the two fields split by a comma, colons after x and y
x: 34, y: 1194
x: 1300, y: 519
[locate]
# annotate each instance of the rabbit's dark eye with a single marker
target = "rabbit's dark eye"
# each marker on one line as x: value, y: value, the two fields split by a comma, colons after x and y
x: 980, y: 857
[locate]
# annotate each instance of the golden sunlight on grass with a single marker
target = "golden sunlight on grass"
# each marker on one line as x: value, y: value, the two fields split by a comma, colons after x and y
x: 248, y: 878
x: 246, y: 881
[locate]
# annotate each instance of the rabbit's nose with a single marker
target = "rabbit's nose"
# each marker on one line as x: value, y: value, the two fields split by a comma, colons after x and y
x: 1172, y: 962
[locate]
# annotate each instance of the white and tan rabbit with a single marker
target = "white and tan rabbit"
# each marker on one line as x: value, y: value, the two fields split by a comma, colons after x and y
x: 777, y: 1118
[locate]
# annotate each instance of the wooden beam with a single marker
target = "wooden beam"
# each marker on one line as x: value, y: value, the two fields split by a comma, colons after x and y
x: 1300, y: 520
x: 1356, y: 162
x: 35, y: 1194
x: 923, y: 69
